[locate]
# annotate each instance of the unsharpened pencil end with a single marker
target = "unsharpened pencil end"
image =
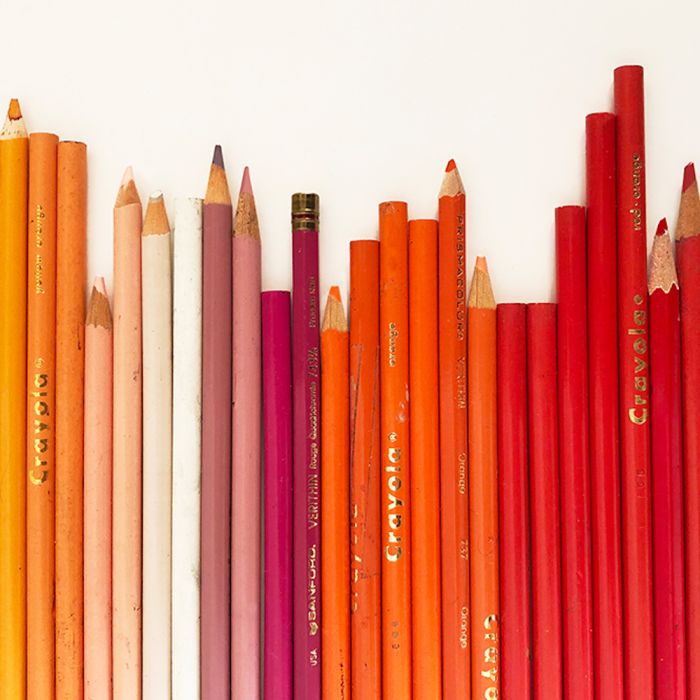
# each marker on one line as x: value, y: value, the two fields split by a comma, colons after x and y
x: 127, y: 194
x: 451, y: 182
x: 662, y: 267
x: 156, y: 222
x: 688, y: 225
x: 98, y: 311
x: 481, y: 293
x: 217, y: 186
x: 14, y: 127
x: 688, y: 176
x: 334, y: 315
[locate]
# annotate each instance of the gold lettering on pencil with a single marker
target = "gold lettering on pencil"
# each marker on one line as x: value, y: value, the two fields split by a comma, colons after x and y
x: 640, y: 348
x: 491, y: 655
x: 312, y: 288
x: 312, y: 590
x: 463, y: 627
x: 38, y: 400
x: 393, y: 337
x: 462, y: 473
x: 461, y: 281
x: 394, y: 538
x: 39, y: 216
x: 636, y: 211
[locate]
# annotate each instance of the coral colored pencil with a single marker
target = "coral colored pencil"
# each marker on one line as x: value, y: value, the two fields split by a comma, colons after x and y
x: 483, y: 486
x: 688, y: 253
x: 335, y: 500
x: 604, y: 410
x: 667, y: 465
x: 573, y: 452
x: 277, y: 419
x: 513, y: 509
x: 425, y: 455
x: 634, y: 384
x: 41, y: 410
x: 306, y: 366
x: 365, y: 524
x: 396, y: 485
x: 454, y: 496
x: 543, y: 430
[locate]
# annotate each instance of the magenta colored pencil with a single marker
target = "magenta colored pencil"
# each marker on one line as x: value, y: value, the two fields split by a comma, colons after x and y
x: 216, y: 436
x: 277, y: 418
x: 307, y: 448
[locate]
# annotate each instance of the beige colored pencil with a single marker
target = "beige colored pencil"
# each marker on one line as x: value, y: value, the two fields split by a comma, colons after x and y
x: 157, y: 306
x: 126, y: 448
x: 97, y: 503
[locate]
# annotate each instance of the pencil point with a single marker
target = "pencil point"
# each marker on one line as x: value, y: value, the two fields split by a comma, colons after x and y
x: 128, y: 176
x: 246, y: 187
x: 14, y: 111
x: 14, y: 127
x: 688, y: 225
x: 334, y: 314
x: 662, y: 267
x: 662, y: 227
x: 99, y: 285
x: 246, y: 221
x: 481, y: 293
x: 451, y: 165
x: 156, y: 222
x: 218, y: 157
x: 127, y: 194
x: 217, y: 186
x: 688, y: 176
x: 451, y: 182
x: 334, y: 292
x: 98, y: 311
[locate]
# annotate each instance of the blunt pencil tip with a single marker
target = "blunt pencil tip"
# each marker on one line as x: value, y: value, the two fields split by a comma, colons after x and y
x: 688, y: 176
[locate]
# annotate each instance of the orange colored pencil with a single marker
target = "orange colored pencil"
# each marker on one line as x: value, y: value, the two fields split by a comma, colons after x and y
x: 70, y: 371
x: 365, y: 546
x: 425, y: 456
x: 483, y: 486
x: 14, y: 153
x: 335, y: 501
x: 454, y: 492
x: 396, y: 485
x: 41, y: 391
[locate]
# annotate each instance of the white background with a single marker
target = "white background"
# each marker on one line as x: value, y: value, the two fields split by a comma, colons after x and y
x: 360, y: 101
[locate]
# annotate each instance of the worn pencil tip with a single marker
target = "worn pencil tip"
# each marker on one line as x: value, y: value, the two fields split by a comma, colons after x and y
x: 451, y: 165
x: 218, y: 157
x: 127, y: 194
x: 14, y: 127
x: 688, y: 176
x: 98, y: 311
x: 156, y: 222
x: 662, y: 227
x: 451, y: 182
x: 662, y: 267
x: 14, y: 111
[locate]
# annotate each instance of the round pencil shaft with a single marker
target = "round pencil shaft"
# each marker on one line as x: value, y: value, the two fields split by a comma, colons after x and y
x: 395, y: 436
x: 604, y: 408
x: 634, y: 383
x: 544, y: 502
x: 483, y: 487
x: 513, y: 501
x: 157, y: 305
x: 245, y: 507
x: 335, y: 500
x: 454, y: 497
x: 277, y: 419
x: 97, y: 504
x: 41, y: 390
x: 574, y: 455
x: 13, y: 377
x: 365, y: 530
x: 126, y: 446
x: 425, y: 453
x: 307, y: 468
x: 187, y: 445
x: 70, y: 367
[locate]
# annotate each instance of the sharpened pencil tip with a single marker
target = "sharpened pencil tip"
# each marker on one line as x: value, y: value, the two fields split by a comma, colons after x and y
x: 218, y: 157
x: 334, y: 292
x: 14, y: 111
x: 156, y: 220
x: 451, y: 165
x: 246, y: 187
x: 334, y: 318
x: 662, y: 227
x: 481, y: 264
x: 128, y: 176
x: 99, y: 285
x: 688, y: 176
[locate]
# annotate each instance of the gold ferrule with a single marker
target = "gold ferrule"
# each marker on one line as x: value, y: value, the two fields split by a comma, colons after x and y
x: 305, y: 211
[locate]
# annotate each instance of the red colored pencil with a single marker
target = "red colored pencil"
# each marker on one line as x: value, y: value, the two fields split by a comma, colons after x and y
x: 573, y: 452
x: 544, y: 501
x: 688, y: 253
x: 634, y: 388
x: 603, y: 403
x: 516, y: 649
x: 666, y: 462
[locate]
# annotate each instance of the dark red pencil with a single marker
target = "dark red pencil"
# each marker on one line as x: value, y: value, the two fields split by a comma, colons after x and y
x: 634, y: 383
x: 666, y: 463
x: 688, y: 253
x: 573, y: 452
x: 513, y: 501
x: 603, y: 402
x: 544, y: 501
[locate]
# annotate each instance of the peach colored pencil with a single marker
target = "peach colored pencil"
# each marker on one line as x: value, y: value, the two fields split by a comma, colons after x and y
x: 97, y: 500
x: 126, y: 447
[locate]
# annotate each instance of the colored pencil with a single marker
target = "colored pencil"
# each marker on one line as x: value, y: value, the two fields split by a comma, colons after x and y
x: 335, y: 499
x: 157, y: 310
x: 454, y: 482
x: 97, y: 502
x: 483, y: 487
x: 513, y: 507
x: 41, y: 409
x: 187, y: 446
x: 126, y: 443
x: 365, y: 547
x: 425, y: 453
x: 71, y: 265
x: 395, y: 449
x: 14, y: 156
x: 545, y: 510
x: 277, y: 419
x: 306, y: 367
x: 245, y: 505
x: 215, y: 650
x: 634, y: 384
x: 667, y: 466
x: 603, y: 403
x: 688, y: 254
x: 573, y: 452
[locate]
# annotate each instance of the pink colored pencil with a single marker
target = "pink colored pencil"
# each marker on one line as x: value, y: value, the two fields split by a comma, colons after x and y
x: 245, y: 504
x: 277, y: 417
x: 97, y: 505
x: 216, y: 435
x: 307, y: 448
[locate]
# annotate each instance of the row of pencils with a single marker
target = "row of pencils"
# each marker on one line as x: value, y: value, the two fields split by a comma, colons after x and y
x: 209, y: 490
